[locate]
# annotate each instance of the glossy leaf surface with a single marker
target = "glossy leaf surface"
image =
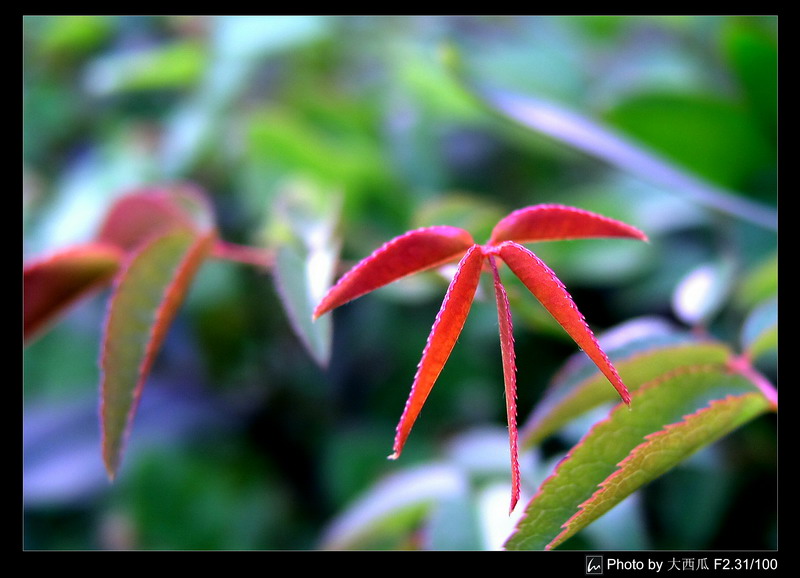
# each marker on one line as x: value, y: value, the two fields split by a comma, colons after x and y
x: 293, y: 280
x: 760, y: 331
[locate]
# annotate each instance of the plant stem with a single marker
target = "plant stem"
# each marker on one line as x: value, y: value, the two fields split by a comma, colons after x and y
x: 256, y: 256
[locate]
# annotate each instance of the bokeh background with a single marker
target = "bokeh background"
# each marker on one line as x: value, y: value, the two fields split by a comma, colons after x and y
x: 242, y: 440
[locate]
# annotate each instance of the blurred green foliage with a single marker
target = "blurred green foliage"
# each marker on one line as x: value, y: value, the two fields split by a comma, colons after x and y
x: 243, y: 442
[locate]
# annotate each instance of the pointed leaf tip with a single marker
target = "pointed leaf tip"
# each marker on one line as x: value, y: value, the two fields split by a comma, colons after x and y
x: 509, y: 378
x: 147, y: 293
x: 559, y: 222
x: 53, y: 283
x: 443, y: 336
x: 548, y: 289
x: 412, y: 252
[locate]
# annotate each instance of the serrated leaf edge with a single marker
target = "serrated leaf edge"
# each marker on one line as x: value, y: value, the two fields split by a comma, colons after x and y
x: 649, y: 439
x: 579, y: 388
x: 637, y: 392
x: 164, y: 314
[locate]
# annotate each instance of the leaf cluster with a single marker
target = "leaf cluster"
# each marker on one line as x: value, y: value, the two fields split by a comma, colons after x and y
x: 310, y: 141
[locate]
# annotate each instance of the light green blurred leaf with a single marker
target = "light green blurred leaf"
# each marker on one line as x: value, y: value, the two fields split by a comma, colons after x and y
x: 346, y: 158
x: 239, y: 44
x: 303, y: 231
x: 393, y: 507
x: 760, y: 331
x: 469, y: 212
x: 759, y: 283
x: 176, y: 65
x: 70, y: 33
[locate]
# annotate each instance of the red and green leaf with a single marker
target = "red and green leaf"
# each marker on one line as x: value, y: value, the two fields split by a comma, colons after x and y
x: 52, y: 284
x: 551, y: 293
x: 444, y: 333
x: 146, y: 296
x: 675, y: 415
x: 412, y: 252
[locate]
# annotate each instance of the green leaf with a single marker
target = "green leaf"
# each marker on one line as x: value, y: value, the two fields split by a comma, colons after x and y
x: 341, y: 157
x: 174, y: 65
x: 70, y: 34
x: 293, y: 276
x: 307, y: 249
x: 751, y: 47
x: 670, y: 418
x: 147, y: 294
x: 759, y: 284
x: 581, y: 387
x: 393, y: 508
x: 663, y: 450
x: 708, y: 136
x: 760, y: 331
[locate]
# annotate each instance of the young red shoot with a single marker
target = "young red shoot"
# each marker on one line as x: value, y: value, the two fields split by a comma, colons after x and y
x: 431, y: 247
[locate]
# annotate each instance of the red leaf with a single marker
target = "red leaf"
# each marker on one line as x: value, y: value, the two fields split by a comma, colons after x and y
x: 410, y: 253
x: 135, y: 217
x: 549, y: 290
x: 442, y: 338
x: 509, y: 378
x: 557, y: 222
x: 53, y: 283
